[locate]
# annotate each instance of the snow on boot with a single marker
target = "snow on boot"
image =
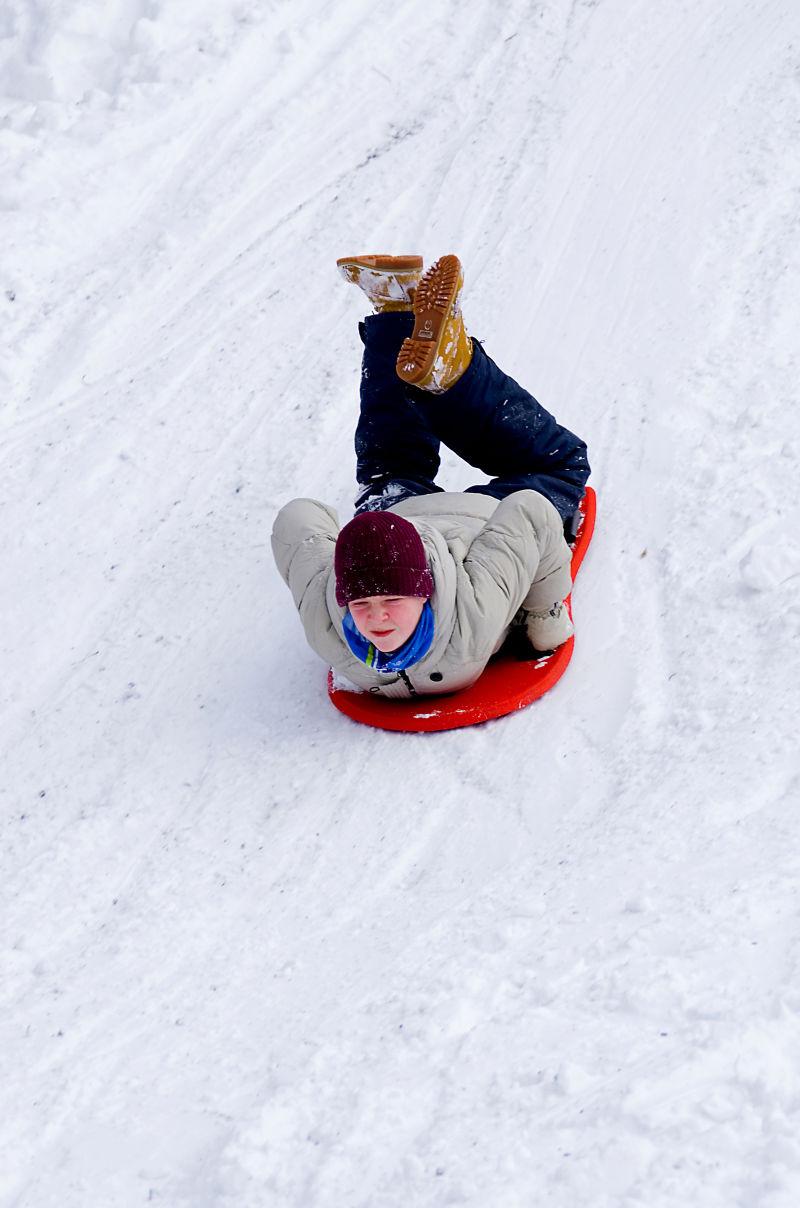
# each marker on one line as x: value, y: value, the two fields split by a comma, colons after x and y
x: 549, y: 628
x: 439, y: 350
x: 388, y: 281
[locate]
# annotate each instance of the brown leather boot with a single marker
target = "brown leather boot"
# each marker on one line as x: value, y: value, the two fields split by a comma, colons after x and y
x: 439, y: 349
x: 388, y: 281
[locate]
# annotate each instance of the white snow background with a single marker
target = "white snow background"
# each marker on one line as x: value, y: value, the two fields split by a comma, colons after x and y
x: 252, y: 953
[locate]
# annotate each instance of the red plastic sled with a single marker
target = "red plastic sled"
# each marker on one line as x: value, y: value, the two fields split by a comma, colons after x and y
x: 507, y: 683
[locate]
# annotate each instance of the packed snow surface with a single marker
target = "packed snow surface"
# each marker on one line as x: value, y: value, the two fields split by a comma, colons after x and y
x: 253, y: 954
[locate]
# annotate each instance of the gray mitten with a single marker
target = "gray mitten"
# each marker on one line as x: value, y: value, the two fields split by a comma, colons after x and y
x: 550, y: 627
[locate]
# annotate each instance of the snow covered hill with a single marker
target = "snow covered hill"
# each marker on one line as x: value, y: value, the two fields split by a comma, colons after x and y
x: 254, y: 955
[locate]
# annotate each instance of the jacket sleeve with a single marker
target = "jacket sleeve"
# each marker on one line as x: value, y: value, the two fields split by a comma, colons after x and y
x: 303, y: 539
x: 519, y: 557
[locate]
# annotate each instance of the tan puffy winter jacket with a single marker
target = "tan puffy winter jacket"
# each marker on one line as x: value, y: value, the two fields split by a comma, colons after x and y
x: 487, y: 559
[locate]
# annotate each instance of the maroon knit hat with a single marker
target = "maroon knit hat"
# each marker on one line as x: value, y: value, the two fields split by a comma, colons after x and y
x: 380, y: 554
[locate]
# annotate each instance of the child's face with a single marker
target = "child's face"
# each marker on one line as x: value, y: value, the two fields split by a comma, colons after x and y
x: 387, y: 621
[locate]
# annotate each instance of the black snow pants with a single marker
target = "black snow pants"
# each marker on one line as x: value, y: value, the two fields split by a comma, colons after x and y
x: 486, y: 418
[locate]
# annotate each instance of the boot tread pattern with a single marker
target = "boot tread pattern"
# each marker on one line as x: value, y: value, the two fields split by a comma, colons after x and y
x: 434, y: 302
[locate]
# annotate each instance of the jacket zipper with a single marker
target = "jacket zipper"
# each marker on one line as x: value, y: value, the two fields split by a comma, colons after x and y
x: 411, y: 689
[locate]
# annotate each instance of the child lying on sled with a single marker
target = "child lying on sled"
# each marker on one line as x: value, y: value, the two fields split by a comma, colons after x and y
x: 417, y: 592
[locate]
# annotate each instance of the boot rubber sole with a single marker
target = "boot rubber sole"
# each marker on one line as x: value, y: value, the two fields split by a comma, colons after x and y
x: 433, y: 304
x: 379, y: 264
